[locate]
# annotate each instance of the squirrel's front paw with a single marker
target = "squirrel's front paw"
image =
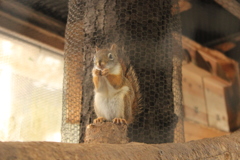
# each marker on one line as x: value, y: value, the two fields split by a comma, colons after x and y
x: 119, y: 121
x: 97, y: 72
x: 99, y: 120
x: 105, y: 72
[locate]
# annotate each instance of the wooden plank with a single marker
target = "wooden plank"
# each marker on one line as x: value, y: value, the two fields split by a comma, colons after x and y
x: 216, y: 91
x: 221, y: 65
x: 193, y: 93
x: 216, y: 63
x: 231, y: 6
x: 212, y: 60
x: 195, y: 131
x: 228, y: 42
x: 31, y: 16
x: 226, y: 46
x: 218, y: 148
x: 183, y: 5
x: 190, y: 46
x: 31, y: 31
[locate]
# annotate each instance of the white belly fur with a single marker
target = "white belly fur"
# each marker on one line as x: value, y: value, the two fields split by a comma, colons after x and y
x: 109, y: 102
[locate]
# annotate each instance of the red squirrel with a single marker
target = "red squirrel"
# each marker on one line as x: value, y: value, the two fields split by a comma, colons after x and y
x: 117, y: 94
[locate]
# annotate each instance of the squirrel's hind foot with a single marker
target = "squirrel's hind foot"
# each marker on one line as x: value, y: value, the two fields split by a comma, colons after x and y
x: 119, y: 121
x: 99, y: 120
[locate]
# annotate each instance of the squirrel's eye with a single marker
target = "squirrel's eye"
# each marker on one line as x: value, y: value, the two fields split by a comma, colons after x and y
x: 110, y: 56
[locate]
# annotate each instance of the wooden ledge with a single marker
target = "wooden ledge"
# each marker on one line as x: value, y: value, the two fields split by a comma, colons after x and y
x: 225, y: 147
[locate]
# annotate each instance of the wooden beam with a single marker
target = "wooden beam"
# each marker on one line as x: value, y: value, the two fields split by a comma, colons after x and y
x: 31, y: 16
x: 183, y: 5
x: 33, y: 32
x: 224, y: 47
x: 225, y: 44
x: 200, y: 131
x: 220, y: 65
x: 230, y: 5
x: 225, y: 147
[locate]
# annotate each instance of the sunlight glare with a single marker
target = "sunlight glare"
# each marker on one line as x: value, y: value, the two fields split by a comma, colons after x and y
x: 6, y: 47
x: 5, y: 99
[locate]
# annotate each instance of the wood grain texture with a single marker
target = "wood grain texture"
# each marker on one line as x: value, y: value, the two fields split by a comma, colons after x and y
x: 220, y: 148
x: 106, y: 132
x: 216, y: 91
x: 31, y: 16
x: 33, y: 32
x: 231, y: 6
x: 197, y: 131
x: 225, y: 69
x: 193, y: 93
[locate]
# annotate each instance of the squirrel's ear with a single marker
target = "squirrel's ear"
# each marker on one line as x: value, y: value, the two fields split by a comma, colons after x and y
x: 113, y: 47
x: 96, y: 49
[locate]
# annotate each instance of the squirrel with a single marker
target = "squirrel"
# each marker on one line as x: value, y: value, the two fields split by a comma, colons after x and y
x: 116, y: 88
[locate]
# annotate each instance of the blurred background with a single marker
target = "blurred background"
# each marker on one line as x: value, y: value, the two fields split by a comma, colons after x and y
x: 31, y: 68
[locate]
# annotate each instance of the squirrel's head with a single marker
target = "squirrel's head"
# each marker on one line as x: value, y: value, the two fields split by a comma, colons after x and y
x: 105, y: 58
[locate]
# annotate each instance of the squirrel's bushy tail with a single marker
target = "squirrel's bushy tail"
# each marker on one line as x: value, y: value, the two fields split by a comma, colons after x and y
x: 133, y: 79
x: 130, y: 74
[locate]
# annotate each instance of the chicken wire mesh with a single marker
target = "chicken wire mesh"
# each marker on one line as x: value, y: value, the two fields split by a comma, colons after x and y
x: 56, y: 9
x: 31, y: 91
x: 148, y: 34
x: 200, y: 23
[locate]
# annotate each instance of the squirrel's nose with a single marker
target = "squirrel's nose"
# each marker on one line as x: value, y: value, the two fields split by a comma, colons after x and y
x: 101, y: 64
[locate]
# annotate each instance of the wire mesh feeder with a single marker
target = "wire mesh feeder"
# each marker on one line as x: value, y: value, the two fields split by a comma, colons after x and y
x: 146, y: 30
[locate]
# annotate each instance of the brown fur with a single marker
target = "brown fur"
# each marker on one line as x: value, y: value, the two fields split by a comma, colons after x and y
x: 115, y: 80
x: 118, y: 77
x: 95, y: 81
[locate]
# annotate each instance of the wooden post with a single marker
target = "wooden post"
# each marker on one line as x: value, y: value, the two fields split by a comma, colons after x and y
x: 106, y: 132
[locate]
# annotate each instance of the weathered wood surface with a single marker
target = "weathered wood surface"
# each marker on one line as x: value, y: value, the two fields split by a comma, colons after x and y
x: 218, y: 103
x: 200, y: 131
x: 106, y: 132
x: 29, y: 15
x: 31, y: 25
x: 231, y: 6
x: 226, y: 70
x: 193, y: 93
x: 225, y: 147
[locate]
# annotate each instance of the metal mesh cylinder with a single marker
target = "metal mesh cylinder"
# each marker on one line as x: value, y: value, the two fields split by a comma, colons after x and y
x: 148, y: 33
